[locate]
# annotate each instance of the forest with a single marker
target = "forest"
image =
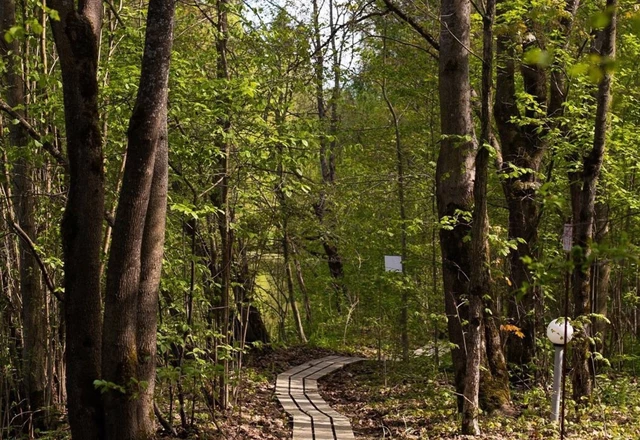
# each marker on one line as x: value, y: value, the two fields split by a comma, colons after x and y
x: 198, y: 195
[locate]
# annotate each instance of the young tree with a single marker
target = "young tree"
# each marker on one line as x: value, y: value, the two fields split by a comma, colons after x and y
x: 481, y: 284
x: 34, y: 318
x: 328, y: 144
x: 583, y: 194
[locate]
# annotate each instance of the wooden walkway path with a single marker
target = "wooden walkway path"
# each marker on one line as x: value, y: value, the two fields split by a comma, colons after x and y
x: 313, y: 418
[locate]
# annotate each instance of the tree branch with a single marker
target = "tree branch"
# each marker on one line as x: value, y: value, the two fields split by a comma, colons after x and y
x: 115, y: 12
x: 48, y: 146
x: 411, y: 22
x: 32, y: 248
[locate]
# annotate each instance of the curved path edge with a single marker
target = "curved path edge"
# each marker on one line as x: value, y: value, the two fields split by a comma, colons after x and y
x: 313, y: 418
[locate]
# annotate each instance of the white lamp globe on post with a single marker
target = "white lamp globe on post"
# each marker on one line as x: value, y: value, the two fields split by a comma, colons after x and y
x: 556, y: 331
x: 560, y: 333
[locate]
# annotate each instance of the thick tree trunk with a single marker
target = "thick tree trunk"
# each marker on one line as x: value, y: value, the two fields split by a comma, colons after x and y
x: 34, y: 319
x: 455, y: 173
x: 76, y: 37
x: 523, y: 148
x: 129, y: 330
x: 454, y: 194
x: 583, y: 204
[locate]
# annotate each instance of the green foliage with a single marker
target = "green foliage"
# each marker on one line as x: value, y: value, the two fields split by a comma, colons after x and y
x: 104, y: 386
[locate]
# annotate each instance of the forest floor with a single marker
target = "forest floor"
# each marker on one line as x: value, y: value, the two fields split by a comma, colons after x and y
x: 394, y: 400
x: 414, y: 401
x: 256, y: 413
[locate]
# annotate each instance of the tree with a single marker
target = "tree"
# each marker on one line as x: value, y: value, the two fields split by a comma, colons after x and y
x: 123, y: 354
x: 523, y: 147
x: 76, y: 35
x: 481, y: 284
x: 34, y: 317
x: 583, y: 195
x: 523, y: 128
x: 455, y: 169
x: 328, y: 145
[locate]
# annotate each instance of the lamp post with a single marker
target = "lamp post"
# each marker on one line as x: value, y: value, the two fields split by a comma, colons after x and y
x: 559, y: 332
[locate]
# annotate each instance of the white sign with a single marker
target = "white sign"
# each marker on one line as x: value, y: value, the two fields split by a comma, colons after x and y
x: 567, y: 237
x: 393, y: 263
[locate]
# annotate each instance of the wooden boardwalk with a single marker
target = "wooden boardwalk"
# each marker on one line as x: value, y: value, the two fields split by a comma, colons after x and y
x: 313, y: 418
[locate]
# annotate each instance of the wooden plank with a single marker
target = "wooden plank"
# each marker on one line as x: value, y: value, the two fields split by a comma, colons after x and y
x: 313, y: 418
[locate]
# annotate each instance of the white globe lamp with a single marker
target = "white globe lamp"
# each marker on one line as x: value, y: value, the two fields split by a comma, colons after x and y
x: 560, y: 333
x: 556, y: 331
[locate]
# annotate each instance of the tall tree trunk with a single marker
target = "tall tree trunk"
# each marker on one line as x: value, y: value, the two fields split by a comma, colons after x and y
x: 327, y: 149
x: 455, y: 173
x: 523, y: 148
x: 454, y: 194
x: 250, y: 315
x: 76, y: 37
x: 131, y: 295
x: 34, y: 319
x: 151, y: 270
x: 222, y: 195
x: 481, y: 284
x: 583, y: 203
x: 301, y: 284
x: 284, y: 224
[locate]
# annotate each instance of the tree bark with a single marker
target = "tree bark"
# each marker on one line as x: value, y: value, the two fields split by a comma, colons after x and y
x: 224, y: 222
x: 76, y: 36
x: 481, y: 284
x: 34, y: 319
x: 583, y: 203
x: 151, y: 270
x: 131, y: 295
x: 455, y: 173
x: 523, y: 148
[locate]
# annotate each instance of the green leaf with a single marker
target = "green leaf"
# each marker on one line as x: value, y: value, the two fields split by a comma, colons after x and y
x: 600, y: 20
x: 635, y: 24
x: 578, y: 69
x: 537, y: 56
x: 15, y: 32
x: 53, y: 14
